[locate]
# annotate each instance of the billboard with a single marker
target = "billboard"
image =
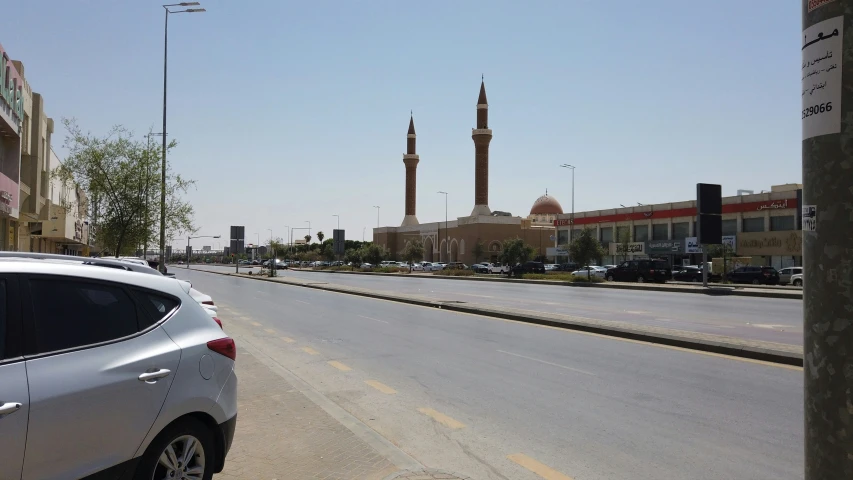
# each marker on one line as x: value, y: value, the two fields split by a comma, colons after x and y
x: 238, y: 239
x: 338, y: 243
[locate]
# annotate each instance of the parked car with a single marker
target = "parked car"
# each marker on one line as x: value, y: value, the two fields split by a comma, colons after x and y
x: 528, y: 267
x: 498, y: 267
x: 591, y: 271
x: 550, y: 267
x: 693, y: 274
x: 153, y: 376
x: 456, y: 266
x: 566, y: 267
x: 786, y: 273
x: 797, y: 279
x: 639, y: 271
x: 434, y: 267
x: 754, y: 275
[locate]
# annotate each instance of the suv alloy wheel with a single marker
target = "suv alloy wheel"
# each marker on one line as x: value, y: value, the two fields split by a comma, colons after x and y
x: 183, y: 451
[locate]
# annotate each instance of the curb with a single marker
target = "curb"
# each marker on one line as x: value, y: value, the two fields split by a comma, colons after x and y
x: 647, y: 287
x: 763, y: 351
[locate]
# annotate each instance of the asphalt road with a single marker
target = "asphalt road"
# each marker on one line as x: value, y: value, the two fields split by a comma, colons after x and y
x: 754, y: 318
x: 500, y: 399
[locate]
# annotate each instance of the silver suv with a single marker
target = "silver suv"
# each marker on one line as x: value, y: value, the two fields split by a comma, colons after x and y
x: 109, y: 374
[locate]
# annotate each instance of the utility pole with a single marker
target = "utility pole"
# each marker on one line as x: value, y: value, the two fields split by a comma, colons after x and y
x: 827, y: 102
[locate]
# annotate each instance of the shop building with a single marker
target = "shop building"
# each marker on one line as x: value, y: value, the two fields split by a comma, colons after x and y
x: 764, y: 226
x: 64, y: 228
x: 11, y: 122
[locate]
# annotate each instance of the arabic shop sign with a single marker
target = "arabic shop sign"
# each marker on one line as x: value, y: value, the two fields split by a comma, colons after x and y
x: 691, y: 245
x: 11, y: 90
x: 770, y: 243
x: 774, y: 205
x: 632, y: 248
x: 562, y: 222
x: 664, y: 247
x: 821, y: 77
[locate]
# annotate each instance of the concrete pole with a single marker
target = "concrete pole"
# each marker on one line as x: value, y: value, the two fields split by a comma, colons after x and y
x: 827, y: 117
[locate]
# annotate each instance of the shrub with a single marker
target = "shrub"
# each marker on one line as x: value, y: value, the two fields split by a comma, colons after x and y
x: 454, y: 273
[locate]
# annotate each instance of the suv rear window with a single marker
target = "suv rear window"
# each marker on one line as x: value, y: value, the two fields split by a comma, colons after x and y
x: 154, y: 307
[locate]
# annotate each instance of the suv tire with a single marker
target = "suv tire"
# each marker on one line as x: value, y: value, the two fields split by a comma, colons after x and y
x: 610, y: 278
x: 640, y: 279
x: 181, y: 434
x: 756, y: 282
x: 798, y: 283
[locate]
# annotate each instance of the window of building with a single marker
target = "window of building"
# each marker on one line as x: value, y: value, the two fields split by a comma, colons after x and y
x: 730, y: 227
x: 562, y: 237
x: 680, y: 230
x: 641, y: 233
x: 786, y: 222
x: 753, y: 224
x: 607, y: 235
x: 622, y: 233
x: 660, y: 232
x: 70, y: 313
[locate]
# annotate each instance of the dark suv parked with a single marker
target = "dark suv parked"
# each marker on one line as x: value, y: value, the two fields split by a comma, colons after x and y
x: 528, y: 267
x: 639, y: 271
x: 754, y: 275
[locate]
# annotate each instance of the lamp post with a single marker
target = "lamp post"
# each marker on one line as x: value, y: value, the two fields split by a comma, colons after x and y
x: 188, y: 245
x: 446, y: 243
x: 147, y: 220
x: 163, y: 159
x: 309, y: 226
x: 377, y: 215
x: 286, y: 237
x: 572, y: 228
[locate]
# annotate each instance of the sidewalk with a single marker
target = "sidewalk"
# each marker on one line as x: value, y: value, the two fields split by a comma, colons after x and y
x: 283, y: 435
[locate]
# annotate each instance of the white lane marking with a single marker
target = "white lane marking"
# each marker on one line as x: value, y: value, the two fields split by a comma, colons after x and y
x: 371, y: 318
x: 548, y: 363
x: 300, y: 301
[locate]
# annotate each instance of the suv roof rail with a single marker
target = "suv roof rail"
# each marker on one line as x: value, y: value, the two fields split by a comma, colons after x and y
x: 95, y: 261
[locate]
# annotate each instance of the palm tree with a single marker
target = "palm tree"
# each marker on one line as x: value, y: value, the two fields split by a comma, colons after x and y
x: 320, y: 236
x: 307, y: 239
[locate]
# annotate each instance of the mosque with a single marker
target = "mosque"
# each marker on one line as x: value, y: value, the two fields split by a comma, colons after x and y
x: 454, y: 240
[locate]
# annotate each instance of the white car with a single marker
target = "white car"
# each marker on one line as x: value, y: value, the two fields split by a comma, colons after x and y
x: 417, y: 267
x: 591, y: 271
x: 550, y: 267
x: 797, y: 279
x: 434, y: 267
x: 204, y: 300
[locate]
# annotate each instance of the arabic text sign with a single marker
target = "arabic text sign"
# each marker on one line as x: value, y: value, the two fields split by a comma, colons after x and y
x: 809, y: 218
x: 774, y: 205
x: 821, y: 71
x: 692, y: 245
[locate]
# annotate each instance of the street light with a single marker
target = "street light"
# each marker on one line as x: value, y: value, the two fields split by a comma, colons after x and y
x: 289, y: 246
x: 309, y: 226
x: 446, y: 244
x: 571, y: 230
x: 163, y: 159
x: 147, y: 220
x: 377, y: 215
x: 188, y: 245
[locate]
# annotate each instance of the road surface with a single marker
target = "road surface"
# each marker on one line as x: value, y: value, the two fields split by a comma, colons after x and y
x: 499, y: 399
x: 754, y: 318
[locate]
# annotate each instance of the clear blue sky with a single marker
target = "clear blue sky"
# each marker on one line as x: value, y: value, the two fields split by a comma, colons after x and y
x: 646, y: 98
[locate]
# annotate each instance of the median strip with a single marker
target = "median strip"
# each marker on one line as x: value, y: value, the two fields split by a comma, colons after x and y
x: 719, y: 344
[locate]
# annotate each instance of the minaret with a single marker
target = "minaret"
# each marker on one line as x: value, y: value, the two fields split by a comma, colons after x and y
x: 410, y: 159
x: 482, y: 135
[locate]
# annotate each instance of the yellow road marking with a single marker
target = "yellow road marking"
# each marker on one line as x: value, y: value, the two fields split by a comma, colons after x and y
x: 310, y: 351
x: 340, y: 366
x: 540, y: 469
x: 256, y: 324
x: 269, y: 330
x: 288, y: 340
x: 381, y: 387
x: 442, y: 418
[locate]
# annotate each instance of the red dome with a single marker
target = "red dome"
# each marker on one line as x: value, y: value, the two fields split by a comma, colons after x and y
x: 546, y: 205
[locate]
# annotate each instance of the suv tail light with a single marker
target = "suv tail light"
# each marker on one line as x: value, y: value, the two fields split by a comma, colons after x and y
x: 224, y: 346
x: 218, y: 322
x: 651, y: 271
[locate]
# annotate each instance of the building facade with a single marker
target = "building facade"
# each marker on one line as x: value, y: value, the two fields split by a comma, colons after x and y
x: 456, y: 240
x: 765, y: 227
x: 11, y: 139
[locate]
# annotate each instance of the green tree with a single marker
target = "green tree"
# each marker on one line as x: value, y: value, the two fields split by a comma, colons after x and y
x: 413, y: 252
x: 121, y: 177
x: 478, y: 250
x: 585, y: 248
x: 373, y: 253
x: 515, y: 251
x: 726, y: 252
x: 320, y: 236
x: 353, y: 256
x: 328, y: 252
x: 307, y: 241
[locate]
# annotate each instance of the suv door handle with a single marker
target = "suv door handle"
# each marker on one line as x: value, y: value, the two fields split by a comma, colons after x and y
x: 152, y: 377
x: 9, y: 407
